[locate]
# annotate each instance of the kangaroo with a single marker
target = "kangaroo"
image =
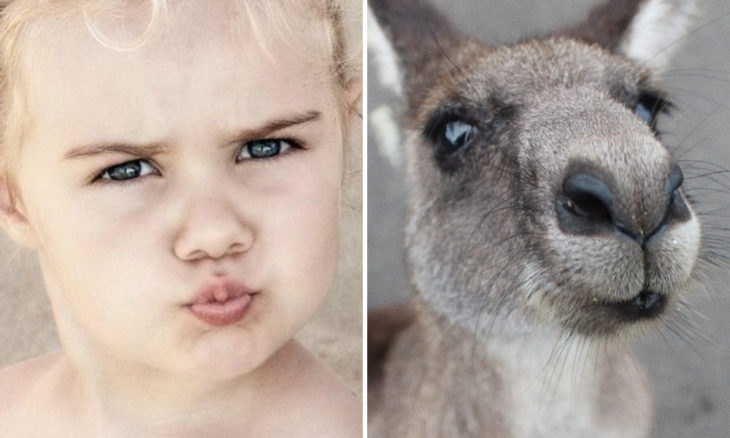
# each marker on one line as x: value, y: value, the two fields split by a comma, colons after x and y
x: 547, y: 225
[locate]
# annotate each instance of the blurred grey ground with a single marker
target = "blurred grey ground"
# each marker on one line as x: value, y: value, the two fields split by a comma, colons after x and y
x: 690, y: 373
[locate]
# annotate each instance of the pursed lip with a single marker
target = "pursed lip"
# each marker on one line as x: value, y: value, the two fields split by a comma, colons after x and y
x: 221, y: 301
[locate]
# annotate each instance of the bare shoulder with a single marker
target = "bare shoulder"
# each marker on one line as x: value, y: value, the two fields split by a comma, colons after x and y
x: 319, y: 403
x: 20, y: 380
x: 21, y: 387
x: 334, y: 407
x: 36, y: 398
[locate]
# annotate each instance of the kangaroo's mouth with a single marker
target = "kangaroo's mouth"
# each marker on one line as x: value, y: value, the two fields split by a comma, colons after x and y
x: 604, y: 317
x: 646, y: 305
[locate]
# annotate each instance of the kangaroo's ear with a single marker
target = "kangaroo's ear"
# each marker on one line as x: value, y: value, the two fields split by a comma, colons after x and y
x: 13, y: 218
x: 647, y: 31
x: 409, y: 40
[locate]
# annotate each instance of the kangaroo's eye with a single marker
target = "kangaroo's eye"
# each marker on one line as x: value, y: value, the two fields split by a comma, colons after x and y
x: 258, y: 149
x: 649, y: 106
x: 454, y: 135
x: 128, y: 170
x: 450, y: 131
x: 644, y: 113
x: 458, y: 133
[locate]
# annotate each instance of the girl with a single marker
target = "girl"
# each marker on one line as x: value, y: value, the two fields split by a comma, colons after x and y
x: 176, y: 167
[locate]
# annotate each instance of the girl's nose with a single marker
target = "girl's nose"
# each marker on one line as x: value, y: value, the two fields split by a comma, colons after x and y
x: 211, y: 228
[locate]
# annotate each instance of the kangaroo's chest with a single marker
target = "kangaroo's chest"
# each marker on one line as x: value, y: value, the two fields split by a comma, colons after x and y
x: 532, y: 389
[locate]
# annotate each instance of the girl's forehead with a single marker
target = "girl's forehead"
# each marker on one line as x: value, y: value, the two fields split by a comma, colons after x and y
x: 216, y: 73
x: 182, y: 26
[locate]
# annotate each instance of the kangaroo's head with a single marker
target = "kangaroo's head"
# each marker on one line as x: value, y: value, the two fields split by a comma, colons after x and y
x: 540, y: 190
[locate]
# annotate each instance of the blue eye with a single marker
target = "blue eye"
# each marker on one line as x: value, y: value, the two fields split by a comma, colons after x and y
x: 458, y: 133
x: 258, y: 149
x: 450, y: 131
x: 644, y: 114
x: 128, y: 170
x: 649, y: 106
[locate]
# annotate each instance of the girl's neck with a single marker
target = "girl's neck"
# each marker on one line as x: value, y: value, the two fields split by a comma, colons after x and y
x: 130, y: 400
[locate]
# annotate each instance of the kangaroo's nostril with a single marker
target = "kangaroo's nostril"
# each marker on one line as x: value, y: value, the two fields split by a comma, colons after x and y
x: 677, y: 208
x: 588, y: 205
x: 588, y: 197
x: 674, y: 180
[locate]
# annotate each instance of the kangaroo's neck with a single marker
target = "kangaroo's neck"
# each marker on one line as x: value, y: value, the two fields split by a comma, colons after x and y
x: 498, y: 382
x: 534, y: 354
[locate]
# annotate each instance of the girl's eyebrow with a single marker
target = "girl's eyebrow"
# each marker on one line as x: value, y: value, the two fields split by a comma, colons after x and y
x: 272, y: 126
x: 150, y: 149
x: 125, y: 148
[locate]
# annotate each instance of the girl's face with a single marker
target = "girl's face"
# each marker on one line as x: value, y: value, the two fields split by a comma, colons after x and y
x: 197, y: 166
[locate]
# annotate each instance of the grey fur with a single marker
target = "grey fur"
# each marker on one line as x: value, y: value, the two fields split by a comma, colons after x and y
x: 506, y: 295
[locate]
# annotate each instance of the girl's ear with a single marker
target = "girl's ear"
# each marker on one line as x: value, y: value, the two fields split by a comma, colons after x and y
x: 14, y: 219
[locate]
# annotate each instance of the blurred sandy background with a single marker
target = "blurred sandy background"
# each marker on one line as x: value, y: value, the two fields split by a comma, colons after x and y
x: 26, y: 325
x: 689, y: 370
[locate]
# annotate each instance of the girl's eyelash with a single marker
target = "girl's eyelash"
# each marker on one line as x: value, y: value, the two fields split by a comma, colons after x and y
x: 267, y: 149
x: 126, y: 172
x: 264, y: 150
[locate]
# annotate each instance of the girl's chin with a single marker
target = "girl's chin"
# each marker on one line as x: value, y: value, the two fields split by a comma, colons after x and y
x: 228, y: 354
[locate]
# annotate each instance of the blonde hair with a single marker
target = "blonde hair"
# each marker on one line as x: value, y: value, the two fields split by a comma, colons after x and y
x: 289, y: 19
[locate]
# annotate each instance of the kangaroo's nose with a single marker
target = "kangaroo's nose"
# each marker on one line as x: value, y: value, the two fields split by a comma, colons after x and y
x: 677, y: 209
x: 589, y: 198
x: 590, y: 205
